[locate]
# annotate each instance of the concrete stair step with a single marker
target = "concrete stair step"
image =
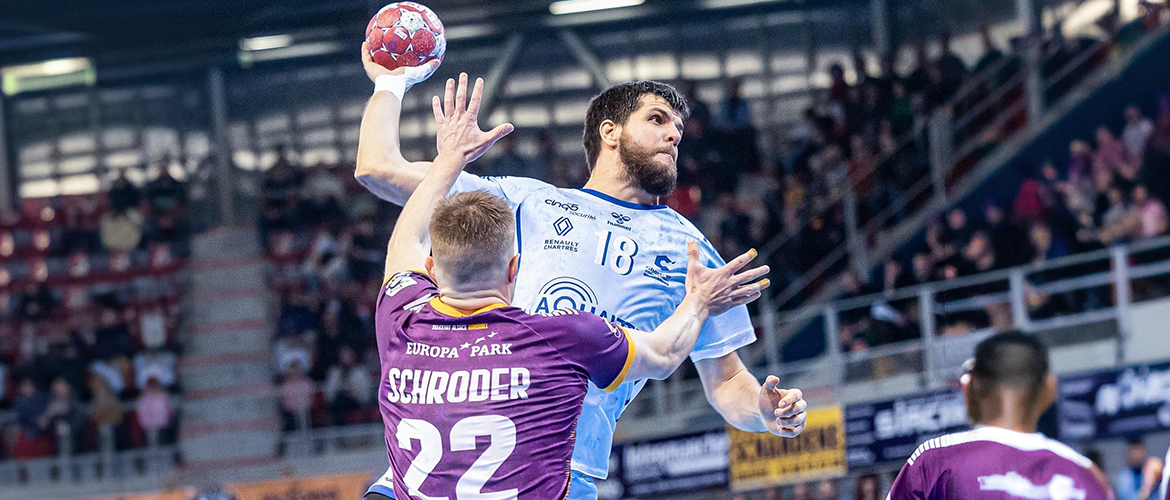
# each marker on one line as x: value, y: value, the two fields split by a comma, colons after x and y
x: 248, y: 370
x: 227, y: 409
x: 227, y: 342
x: 208, y: 280
x: 226, y: 242
x: 232, y: 307
x: 228, y: 445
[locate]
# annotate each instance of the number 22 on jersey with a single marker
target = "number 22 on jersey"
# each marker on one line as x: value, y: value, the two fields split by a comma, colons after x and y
x: 615, y: 251
x: 503, y: 440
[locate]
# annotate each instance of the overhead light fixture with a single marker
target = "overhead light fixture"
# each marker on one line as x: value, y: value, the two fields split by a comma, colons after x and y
x: 266, y: 42
x: 247, y: 57
x: 45, y: 75
x: 576, y: 6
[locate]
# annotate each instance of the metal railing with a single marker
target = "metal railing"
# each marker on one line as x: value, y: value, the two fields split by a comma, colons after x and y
x: 157, y: 462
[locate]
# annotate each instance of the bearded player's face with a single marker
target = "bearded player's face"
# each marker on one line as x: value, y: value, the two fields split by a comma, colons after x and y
x: 648, y: 146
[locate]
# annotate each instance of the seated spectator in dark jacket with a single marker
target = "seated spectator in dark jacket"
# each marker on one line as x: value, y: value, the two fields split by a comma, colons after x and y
x: 63, y: 418
x: 165, y: 193
x: 37, y: 302
x: 29, y: 405
x: 124, y: 195
x: 112, y: 338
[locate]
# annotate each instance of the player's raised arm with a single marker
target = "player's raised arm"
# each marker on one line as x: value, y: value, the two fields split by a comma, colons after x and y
x: 381, y: 168
x: 710, y: 292
x: 459, y: 141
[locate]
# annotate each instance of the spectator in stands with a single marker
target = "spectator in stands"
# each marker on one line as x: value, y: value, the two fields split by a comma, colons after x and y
x: 63, y: 418
x: 348, y: 387
x: 165, y: 194
x: 735, y: 230
x: 802, y: 491
x: 366, y: 254
x: 36, y: 302
x: 29, y: 406
x: 112, y: 338
x: 1112, y: 155
x: 1138, y: 130
x: 950, y: 67
x: 1005, y: 235
x: 323, y: 194
x: 509, y: 162
x: 281, y: 188
x: 124, y: 195
x: 1150, y: 212
x: 868, y: 488
x: 296, y: 397
x: 106, y: 412
x: 1044, y: 245
x: 157, y: 365
x: 1128, y: 481
x: 827, y: 489
x: 154, y: 413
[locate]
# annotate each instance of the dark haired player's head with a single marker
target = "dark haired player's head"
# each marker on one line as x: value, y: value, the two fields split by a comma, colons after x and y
x: 473, y: 244
x: 1010, y: 384
x: 636, y: 126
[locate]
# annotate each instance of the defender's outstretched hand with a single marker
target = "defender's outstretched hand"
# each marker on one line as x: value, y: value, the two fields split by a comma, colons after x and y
x: 413, y: 75
x: 458, y: 126
x: 783, y: 411
x: 724, y: 288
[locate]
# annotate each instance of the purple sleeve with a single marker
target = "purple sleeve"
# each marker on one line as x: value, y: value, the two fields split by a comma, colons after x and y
x: 404, y: 293
x: 909, y: 485
x: 602, y: 349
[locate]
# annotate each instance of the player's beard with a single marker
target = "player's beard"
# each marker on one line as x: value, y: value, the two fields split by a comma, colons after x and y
x: 645, y: 170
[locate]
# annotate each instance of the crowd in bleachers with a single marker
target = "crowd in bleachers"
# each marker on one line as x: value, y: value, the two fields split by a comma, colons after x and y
x: 1109, y: 191
x: 328, y: 258
x: 89, y: 306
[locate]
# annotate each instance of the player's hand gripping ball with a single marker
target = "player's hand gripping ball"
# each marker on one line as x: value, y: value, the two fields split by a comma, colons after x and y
x: 405, y: 34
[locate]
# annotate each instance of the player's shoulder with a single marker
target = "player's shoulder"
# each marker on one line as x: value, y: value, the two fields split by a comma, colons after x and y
x: 520, y: 187
x: 1002, y: 437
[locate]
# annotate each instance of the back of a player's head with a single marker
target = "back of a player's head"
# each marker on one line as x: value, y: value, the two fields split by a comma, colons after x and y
x: 620, y: 101
x: 1010, y: 362
x: 473, y: 239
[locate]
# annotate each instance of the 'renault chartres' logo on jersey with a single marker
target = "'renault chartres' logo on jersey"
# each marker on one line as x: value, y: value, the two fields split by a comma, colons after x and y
x: 571, y: 293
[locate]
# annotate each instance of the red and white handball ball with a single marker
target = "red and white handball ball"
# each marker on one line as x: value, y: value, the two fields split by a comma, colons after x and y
x: 405, y: 34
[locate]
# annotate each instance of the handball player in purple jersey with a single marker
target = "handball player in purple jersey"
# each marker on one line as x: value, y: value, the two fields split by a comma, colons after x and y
x: 480, y: 400
x: 1007, y: 387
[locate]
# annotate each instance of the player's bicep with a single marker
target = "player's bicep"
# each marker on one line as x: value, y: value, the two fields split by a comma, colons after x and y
x: 647, y: 362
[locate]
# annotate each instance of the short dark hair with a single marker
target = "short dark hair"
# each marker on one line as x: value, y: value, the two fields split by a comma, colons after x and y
x: 1011, y: 360
x: 620, y: 101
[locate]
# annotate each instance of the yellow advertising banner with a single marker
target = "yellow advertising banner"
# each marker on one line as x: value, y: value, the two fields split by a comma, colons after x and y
x: 762, y: 460
x: 335, y: 487
x: 179, y: 494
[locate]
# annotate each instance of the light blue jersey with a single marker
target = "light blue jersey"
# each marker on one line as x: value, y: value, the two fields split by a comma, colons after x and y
x: 623, y: 261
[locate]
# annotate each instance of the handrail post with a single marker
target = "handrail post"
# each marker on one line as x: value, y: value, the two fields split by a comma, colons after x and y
x: 1018, y: 292
x: 833, y: 343
x: 857, y: 257
x: 927, y: 327
x: 771, y: 333
x: 939, y: 138
x: 1120, y: 257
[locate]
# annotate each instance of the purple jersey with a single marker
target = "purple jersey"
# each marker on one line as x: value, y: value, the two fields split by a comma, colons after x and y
x: 485, y: 405
x: 999, y: 464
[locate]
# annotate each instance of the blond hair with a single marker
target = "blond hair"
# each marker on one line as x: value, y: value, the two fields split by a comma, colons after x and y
x: 473, y: 238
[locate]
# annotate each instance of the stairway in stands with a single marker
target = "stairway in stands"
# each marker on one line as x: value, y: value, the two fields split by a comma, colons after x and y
x: 230, y: 415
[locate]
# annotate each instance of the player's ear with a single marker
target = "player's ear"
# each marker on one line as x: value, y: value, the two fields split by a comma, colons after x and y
x: 1048, y: 393
x: 513, y: 268
x: 429, y: 263
x: 609, y: 132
